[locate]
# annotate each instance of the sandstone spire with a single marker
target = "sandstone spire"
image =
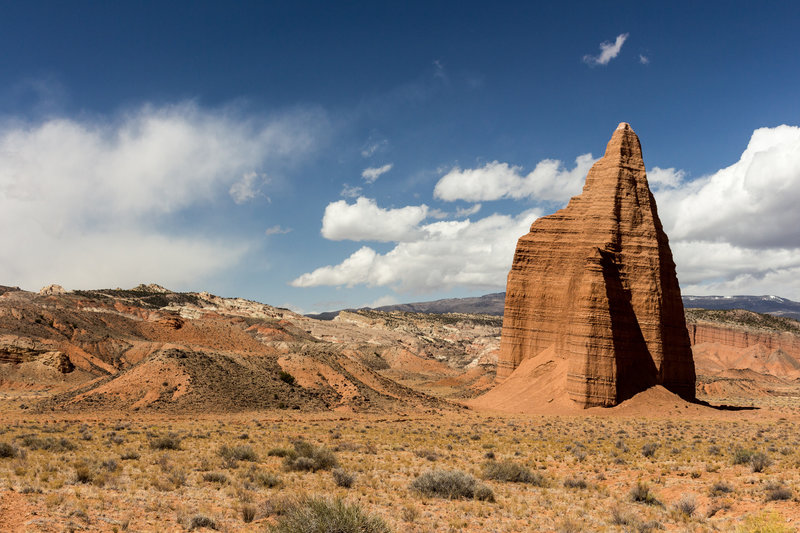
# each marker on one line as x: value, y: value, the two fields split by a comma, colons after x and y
x: 596, y: 282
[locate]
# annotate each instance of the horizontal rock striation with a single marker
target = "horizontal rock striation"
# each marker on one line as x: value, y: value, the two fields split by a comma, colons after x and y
x: 596, y: 282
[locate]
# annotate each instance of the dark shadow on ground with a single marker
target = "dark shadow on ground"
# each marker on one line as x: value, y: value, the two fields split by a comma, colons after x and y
x: 725, y: 407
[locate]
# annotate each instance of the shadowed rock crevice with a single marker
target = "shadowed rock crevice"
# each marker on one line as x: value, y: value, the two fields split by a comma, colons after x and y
x: 635, y: 370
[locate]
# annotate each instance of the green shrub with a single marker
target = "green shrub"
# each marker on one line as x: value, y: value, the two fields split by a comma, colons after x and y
x: 720, y: 487
x: 649, y: 449
x: 778, y: 492
x: 575, y: 482
x: 510, y: 471
x: 7, y: 450
x: 640, y: 493
x: 238, y: 453
x: 741, y: 456
x: 215, y: 477
x: 307, y: 457
x: 286, y: 377
x: 322, y: 515
x: 263, y: 479
x: 450, y: 484
x: 200, y: 520
x: 687, y: 505
x: 167, y: 442
x: 248, y: 513
x: 342, y: 478
x: 759, y: 461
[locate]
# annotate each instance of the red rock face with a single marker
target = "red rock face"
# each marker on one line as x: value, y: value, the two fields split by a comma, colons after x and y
x: 597, y: 282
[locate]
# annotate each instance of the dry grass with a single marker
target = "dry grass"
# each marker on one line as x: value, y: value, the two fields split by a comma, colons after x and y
x: 118, y: 479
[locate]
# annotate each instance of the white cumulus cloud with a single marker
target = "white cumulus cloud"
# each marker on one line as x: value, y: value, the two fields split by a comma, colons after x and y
x: 372, y: 173
x: 608, y: 51
x: 446, y: 254
x: 548, y: 182
x: 660, y: 178
x: 752, y: 203
x: 89, y: 200
x: 737, y: 231
x: 366, y: 221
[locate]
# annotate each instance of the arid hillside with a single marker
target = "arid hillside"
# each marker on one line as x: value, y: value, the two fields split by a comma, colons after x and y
x: 150, y: 348
x: 155, y: 350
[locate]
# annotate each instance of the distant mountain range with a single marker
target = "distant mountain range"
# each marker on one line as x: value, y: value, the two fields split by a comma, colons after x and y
x: 773, y: 305
x: 492, y: 304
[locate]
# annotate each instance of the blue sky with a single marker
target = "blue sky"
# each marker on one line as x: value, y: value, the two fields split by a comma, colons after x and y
x: 322, y: 155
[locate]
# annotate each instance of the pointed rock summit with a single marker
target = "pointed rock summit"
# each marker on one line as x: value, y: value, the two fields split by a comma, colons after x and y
x: 595, y: 283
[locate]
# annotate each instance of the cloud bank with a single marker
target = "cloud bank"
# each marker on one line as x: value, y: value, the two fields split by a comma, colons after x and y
x: 365, y: 221
x: 445, y: 254
x: 91, y: 201
x: 548, y: 182
x: 736, y: 231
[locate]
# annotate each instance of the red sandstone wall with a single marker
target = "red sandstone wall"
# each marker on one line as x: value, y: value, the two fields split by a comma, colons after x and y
x: 700, y: 333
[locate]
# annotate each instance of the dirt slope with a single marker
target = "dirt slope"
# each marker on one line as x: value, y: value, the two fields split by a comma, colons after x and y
x: 153, y: 349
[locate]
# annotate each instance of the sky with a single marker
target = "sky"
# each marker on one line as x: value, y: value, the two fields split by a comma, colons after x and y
x: 324, y: 155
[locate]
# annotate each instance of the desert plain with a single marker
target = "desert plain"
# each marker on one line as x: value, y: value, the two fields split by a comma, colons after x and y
x: 134, y: 436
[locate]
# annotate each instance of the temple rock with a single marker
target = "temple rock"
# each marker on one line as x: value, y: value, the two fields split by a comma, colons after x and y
x: 596, y: 283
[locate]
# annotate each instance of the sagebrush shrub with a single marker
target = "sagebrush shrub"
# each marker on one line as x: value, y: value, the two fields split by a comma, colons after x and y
x: 641, y: 493
x: 248, y: 513
x: 308, y: 457
x: 7, y: 450
x: 720, y: 487
x: 510, y: 471
x: 215, y: 477
x: 778, y: 492
x: 687, y: 505
x: 450, y: 484
x: 575, y: 482
x: 343, y: 478
x: 741, y: 456
x: 238, y: 453
x: 649, y: 449
x: 167, y: 442
x: 759, y: 461
x: 200, y: 520
x: 322, y: 515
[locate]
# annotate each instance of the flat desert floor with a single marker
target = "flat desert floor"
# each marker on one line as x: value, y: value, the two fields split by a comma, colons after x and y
x: 706, y: 471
